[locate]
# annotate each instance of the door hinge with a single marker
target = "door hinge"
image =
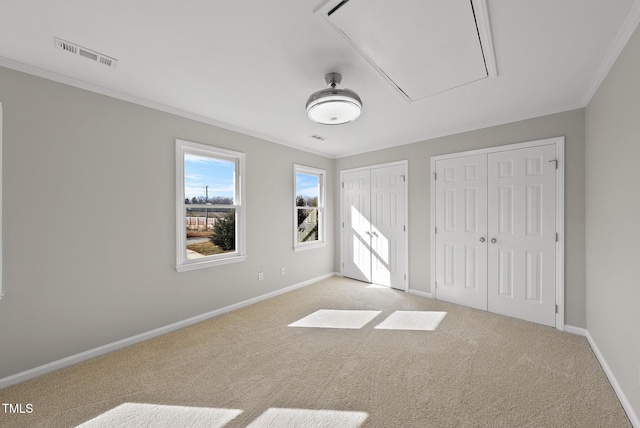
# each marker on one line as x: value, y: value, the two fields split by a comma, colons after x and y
x: 436, y: 231
x: 556, y: 309
x: 436, y: 284
x: 343, y: 224
x: 404, y: 179
x: 405, y: 276
x: 342, y: 264
x: 435, y: 176
x: 343, y: 184
x: 404, y: 228
x: 557, y: 238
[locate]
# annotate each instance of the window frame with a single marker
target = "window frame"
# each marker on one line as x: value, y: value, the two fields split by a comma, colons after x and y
x: 183, y: 264
x: 322, y: 177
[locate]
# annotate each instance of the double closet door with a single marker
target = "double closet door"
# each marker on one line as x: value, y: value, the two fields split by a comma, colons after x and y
x: 495, y: 236
x: 374, y: 225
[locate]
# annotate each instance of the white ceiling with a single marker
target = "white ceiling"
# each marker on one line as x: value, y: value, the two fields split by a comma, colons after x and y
x: 249, y: 65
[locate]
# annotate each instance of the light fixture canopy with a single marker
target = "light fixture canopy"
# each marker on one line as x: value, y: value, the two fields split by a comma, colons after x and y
x: 334, y: 106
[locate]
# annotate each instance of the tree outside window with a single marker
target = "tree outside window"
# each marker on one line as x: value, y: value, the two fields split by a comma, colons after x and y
x: 308, y: 206
x: 210, y: 212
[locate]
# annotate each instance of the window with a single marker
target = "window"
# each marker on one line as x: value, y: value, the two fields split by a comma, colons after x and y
x: 209, y: 206
x: 308, y: 207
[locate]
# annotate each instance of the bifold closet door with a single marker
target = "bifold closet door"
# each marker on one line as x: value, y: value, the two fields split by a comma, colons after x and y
x: 373, y: 234
x: 522, y: 234
x: 461, y: 230
x: 495, y: 237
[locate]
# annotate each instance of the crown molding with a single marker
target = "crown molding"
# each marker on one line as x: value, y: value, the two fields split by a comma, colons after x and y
x: 622, y: 38
x: 80, y: 84
x: 473, y: 127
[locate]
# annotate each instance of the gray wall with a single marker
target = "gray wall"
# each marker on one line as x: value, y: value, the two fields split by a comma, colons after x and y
x: 76, y: 282
x: 612, y: 219
x: 569, y: 124
x: 78, y: 273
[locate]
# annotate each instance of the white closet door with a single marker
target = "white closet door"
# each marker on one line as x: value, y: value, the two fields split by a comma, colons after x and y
x: 461, y: 223
x: 387, y: 226
x: 522, y: 233
x: 356, y: 206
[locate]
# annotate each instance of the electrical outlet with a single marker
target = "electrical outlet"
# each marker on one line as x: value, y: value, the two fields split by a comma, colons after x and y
x: 282, y: 271
x: 260, y: 276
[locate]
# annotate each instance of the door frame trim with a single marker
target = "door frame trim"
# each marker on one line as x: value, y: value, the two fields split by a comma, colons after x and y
x: 558, y: 142
x: 404, y: 163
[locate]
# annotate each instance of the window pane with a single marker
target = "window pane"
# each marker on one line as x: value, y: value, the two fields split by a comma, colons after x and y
x: 210, y: 231
x: 208, y: 180
x: 307, y: 190
x: 307, y: 224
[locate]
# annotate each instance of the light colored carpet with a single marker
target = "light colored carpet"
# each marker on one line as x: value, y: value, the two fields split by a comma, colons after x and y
x: 473, y: 369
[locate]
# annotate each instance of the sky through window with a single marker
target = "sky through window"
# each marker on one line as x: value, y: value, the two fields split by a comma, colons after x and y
x: 204, y: 176
x: 307, y: 185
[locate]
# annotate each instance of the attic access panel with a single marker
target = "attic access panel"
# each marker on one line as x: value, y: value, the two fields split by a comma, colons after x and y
x: 423, y: 47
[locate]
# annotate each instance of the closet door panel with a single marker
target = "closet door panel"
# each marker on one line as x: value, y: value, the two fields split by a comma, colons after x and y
x: 387, y: 219
x: 356, y: 206
x: 521, y: 232
x: 461, y: 223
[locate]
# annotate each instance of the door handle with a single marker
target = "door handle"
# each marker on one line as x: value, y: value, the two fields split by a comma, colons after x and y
x: 375, y: 234
x: 494, y: 240
x: 482, y: 239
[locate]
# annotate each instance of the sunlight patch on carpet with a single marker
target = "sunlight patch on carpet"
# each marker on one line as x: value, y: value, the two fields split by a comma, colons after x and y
x: 412, y: 320
x: 332, y: 318
x: 157, y: 415
x: 304, y: 418
x: 378, y: 286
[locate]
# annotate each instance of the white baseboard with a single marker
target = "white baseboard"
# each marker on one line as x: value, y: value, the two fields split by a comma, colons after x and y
x: 575, y: 330
x: 626, y: 404
x: 101, y: 350
x: 420, y: 293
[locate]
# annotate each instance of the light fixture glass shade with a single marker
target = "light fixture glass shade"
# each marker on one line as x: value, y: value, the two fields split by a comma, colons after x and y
x: 334, y: 106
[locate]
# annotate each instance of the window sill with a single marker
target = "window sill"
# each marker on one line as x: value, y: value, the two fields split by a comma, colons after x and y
x: 210, y: 263
x: 304, y: 247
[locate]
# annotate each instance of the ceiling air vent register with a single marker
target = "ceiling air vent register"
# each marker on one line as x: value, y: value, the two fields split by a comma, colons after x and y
x: 85, y: 53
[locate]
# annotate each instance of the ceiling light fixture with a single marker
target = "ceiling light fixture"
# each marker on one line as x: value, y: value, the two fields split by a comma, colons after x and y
x: 333, y: 106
